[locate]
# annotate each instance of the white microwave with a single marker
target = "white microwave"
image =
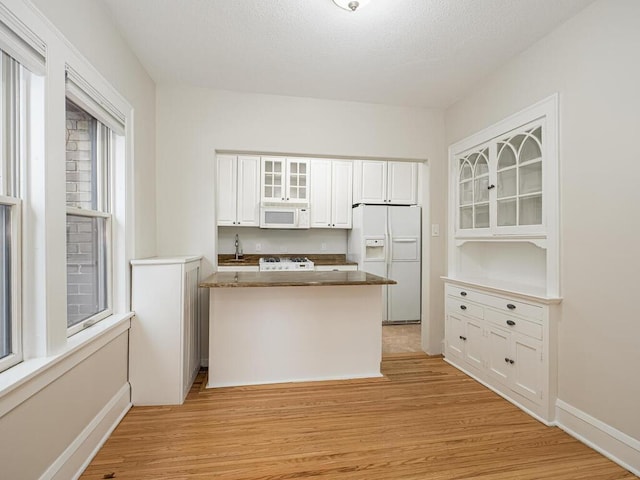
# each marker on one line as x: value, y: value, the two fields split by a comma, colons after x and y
x: 284, y: 216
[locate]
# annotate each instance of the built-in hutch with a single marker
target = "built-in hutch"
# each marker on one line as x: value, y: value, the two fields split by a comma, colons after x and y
x: 502, y: 286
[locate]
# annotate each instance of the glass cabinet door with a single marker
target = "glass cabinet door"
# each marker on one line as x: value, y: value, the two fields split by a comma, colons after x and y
x: 298, y: 177
x: 473, y: 188
x: 273, y: 178
x: 519, y: 179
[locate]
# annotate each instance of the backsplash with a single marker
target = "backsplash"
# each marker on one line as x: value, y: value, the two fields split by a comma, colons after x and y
x: 258, y: 240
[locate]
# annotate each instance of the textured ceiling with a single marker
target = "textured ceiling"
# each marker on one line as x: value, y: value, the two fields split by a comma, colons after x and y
x: 400, y: 52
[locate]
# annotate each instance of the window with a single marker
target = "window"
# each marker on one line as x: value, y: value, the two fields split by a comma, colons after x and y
x: 11, y: 114
x: 89, y: 147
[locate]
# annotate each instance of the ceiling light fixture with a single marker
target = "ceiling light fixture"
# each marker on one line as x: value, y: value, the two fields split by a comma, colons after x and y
x: 351, y: 5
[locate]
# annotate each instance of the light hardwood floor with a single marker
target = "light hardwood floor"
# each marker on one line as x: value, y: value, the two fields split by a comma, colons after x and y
x: 424, y: 420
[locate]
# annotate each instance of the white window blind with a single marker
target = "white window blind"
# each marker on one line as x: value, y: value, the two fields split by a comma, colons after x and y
x: 80, y: 92
x: 18, y: 41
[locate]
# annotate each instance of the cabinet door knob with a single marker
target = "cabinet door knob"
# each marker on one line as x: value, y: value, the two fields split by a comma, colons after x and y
x: 511, y: 323
x: 511, y: 306
x: 506, y: 360
x: 512, y: 361
x: 490, y: 187
x: 464, y: 294
x: 463, y: 338
x: 463, y: 307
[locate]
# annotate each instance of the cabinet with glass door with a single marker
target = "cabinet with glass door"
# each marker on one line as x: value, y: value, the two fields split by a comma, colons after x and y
x: 285, y: 180
x: 500, y: 186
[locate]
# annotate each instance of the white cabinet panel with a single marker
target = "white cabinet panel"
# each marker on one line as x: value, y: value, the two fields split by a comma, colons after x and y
x: 248, y: 203
x: 238, y: 187
x: 321, y: 204
x: 402, y: 183
x: 342, y: 193
x: 386, y: 183
x: 455, y: 337
x: 372, y: 182
x: 498, y: 354
x: 331, y: 193
x: 527, y: 367
x: 226, y: 189
x: 474, y: 351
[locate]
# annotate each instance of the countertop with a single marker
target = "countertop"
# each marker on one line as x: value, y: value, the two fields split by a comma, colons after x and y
x: 292, y: 279
x: 251, y: 259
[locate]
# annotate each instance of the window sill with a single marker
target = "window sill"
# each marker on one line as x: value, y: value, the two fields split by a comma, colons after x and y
x: 23, y: 380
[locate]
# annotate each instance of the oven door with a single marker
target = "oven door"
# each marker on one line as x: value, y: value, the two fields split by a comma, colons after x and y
x: 278, y: 217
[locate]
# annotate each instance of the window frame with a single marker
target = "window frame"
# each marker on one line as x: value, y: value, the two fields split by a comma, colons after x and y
x: 104, y: 185
x: 15, y: 279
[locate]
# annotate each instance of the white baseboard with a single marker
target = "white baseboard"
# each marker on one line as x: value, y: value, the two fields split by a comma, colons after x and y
x: 610, y: 442
x: 77, y: 456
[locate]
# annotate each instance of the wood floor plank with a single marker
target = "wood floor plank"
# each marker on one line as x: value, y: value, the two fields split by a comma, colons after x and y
x: 424, y: 420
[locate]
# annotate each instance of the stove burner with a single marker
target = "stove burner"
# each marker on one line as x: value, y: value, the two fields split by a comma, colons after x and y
x: 299, y: 259
x: 271, y: 259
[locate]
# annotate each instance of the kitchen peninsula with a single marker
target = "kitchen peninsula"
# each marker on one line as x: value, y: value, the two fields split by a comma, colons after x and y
x: 274, y: 327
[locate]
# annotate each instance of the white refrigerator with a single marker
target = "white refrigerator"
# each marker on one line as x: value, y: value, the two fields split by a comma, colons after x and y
x: 386, y: 241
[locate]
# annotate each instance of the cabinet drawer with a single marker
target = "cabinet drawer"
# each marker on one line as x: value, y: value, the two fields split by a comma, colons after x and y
x: 513, y: 307
x: 463, y: 293
x: 460, y: 306
x: 515, y: 324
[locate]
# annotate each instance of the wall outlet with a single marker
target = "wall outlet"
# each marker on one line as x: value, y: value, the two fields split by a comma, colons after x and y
x: 435, y: 230
x: 323, y: 247
x: 258, y: 247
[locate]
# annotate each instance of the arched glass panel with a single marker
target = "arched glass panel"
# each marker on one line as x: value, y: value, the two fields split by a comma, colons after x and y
x: 466, y: 173
x: 482, y: 164
x: 506, y: 157
x: 530, y: 150
x: 517, y: 140
x: 538, y: 134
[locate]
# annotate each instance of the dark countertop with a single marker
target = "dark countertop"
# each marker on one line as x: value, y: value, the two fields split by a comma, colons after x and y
x: 292, y: 279
x: 251, y: 259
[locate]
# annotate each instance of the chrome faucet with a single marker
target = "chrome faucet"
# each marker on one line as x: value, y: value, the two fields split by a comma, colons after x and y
x: 239, y: 254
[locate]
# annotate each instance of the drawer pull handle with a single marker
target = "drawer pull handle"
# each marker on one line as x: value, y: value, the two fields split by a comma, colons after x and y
x: 511, y: 306
x: 511, y: 323
x: 464, y: 294
x: 463, y: 338
x: 463, y: 307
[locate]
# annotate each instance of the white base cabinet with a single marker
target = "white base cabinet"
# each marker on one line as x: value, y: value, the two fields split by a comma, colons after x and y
x: 505, y: 341
x: 164, y: 340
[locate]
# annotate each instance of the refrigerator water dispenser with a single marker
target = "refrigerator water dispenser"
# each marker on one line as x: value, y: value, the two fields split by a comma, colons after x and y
x: 374, y: 249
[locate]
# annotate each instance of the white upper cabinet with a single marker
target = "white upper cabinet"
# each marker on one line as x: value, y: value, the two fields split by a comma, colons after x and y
x: 402, y: 183
x: 238, y: 201
x: 499, y: 185
x: 285, y: 179
x: 331, y: 193
x: 385, y: 183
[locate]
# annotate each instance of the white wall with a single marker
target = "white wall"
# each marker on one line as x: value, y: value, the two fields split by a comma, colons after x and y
x: 591, y: 61
x: 192, y: 123
x: 86, y: 24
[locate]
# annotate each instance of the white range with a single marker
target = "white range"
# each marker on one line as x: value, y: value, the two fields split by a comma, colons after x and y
x: 285, y: 264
